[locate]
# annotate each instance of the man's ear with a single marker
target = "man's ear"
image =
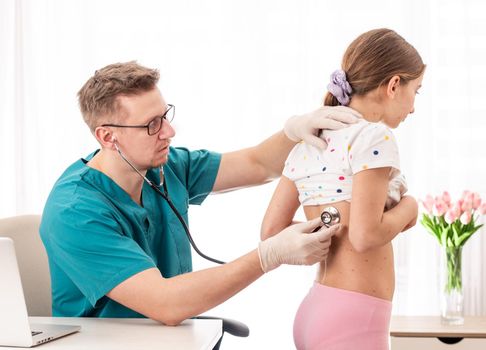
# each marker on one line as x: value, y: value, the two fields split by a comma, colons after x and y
x: 392, y: 87
x: 105, y: 137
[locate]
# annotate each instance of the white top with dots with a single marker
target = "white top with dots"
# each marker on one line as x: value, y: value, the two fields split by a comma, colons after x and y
x: 326, y: 176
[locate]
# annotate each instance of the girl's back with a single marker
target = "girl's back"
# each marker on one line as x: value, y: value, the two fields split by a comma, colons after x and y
x: 325, y: 178
x: 370, y: 272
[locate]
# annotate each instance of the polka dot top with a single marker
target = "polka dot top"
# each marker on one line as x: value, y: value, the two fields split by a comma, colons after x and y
x: 323, y: 177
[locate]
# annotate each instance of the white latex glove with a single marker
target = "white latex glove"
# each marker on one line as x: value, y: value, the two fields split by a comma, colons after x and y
x: 295, y: 245
x: 397, y: 187
x: 306, y: 126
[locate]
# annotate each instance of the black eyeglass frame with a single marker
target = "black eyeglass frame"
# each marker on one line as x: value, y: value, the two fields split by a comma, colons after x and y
x: 162, y: 118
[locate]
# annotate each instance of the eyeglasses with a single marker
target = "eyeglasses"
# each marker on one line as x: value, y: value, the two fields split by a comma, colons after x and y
x: 155, y: 124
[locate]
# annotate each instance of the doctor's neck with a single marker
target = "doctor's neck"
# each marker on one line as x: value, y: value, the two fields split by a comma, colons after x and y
x: 110, y: 163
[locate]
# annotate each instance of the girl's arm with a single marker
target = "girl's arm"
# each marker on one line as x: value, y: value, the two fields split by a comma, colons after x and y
x: 369, y: 225
x: 282, y: 208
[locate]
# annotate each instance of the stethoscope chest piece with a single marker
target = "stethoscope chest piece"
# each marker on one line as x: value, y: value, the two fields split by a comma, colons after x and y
x: 330, y: 216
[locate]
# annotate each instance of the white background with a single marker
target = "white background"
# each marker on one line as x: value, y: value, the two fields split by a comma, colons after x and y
x: 236, y: 70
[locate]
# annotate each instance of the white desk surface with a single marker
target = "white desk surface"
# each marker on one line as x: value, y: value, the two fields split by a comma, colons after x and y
x: 431, y: 326
x: 132, y: 333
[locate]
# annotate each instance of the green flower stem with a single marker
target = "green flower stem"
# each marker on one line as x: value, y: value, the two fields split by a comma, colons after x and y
x: 452, y: 238
x: 454, y: 276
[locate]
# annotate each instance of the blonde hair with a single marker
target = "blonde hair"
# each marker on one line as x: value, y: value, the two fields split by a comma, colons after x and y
x: 98, y: 96
x: 373, y: 58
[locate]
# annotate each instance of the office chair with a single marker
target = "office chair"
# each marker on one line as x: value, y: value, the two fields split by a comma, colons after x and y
x: 32, y: 260
x: 230, y: 326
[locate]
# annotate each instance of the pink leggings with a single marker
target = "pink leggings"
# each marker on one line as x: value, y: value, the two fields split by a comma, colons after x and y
x: 337, y: 319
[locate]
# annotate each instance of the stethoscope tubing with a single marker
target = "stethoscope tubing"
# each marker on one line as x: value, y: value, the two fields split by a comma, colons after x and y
x: 165, y: 195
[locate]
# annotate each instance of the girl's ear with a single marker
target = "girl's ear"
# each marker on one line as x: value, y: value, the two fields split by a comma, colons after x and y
x: 392, y: 87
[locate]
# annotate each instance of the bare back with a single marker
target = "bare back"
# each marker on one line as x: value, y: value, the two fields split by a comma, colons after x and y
x: 370, y: 273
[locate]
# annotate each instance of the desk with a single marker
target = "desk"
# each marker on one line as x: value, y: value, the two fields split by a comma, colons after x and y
x: 132, y: 333
x: 423, y: 332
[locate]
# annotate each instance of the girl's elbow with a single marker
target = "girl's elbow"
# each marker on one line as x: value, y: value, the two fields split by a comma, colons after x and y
x: 360, y: 242
x: 267, y: 231
x: 264, y: 234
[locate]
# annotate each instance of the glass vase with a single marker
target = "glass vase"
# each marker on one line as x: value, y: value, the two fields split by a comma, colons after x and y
x: 452, y: 303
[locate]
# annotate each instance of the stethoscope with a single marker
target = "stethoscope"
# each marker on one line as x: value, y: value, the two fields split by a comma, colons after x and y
x: 165, y: 194
x: 329, y: 216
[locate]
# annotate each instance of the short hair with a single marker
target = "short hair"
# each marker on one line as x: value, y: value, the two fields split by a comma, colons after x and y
x: 98, y: 98
x: 373, y: 58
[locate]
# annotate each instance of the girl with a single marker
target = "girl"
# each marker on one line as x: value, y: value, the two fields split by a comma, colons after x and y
x: 349, y: 304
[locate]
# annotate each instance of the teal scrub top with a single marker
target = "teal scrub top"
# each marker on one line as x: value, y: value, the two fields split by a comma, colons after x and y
x: 96, y: 236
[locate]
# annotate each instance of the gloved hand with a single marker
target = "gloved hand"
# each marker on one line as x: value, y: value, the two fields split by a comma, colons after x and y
x: 295, y: 245
x: 396, y: 189
x: 306, y: 127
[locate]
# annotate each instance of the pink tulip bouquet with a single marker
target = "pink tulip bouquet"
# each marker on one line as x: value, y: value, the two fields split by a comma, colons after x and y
x: 453, y: 223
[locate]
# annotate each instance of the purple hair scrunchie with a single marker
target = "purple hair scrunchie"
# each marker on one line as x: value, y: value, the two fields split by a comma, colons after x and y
x: 339, y: 87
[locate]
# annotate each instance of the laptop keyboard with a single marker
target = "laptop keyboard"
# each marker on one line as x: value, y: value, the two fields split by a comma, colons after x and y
x: 35, y: 333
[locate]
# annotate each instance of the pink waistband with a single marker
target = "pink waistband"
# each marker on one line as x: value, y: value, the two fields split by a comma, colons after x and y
x: 337, y: 293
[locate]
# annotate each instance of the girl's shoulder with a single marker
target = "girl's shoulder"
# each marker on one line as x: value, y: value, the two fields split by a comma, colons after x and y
x: 369, y: 132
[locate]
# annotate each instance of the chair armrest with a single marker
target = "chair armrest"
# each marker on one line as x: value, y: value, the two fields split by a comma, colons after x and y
x: 233, y: 327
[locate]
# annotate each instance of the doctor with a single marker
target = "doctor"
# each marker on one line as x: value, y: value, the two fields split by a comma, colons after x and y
x: 115, y: 247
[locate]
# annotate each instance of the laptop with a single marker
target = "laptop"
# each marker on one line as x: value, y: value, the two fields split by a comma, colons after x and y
x: 15, y: 329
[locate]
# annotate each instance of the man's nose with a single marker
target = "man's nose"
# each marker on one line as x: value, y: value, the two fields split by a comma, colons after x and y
x: 166, y: 131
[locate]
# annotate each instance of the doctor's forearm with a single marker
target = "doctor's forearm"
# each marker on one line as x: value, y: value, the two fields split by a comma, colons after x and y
x: 191, y: 294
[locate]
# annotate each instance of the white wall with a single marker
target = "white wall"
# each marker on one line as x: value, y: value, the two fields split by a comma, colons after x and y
x: 236, y: 70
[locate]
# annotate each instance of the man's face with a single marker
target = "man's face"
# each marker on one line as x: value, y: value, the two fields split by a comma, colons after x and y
x: 144, y: 150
